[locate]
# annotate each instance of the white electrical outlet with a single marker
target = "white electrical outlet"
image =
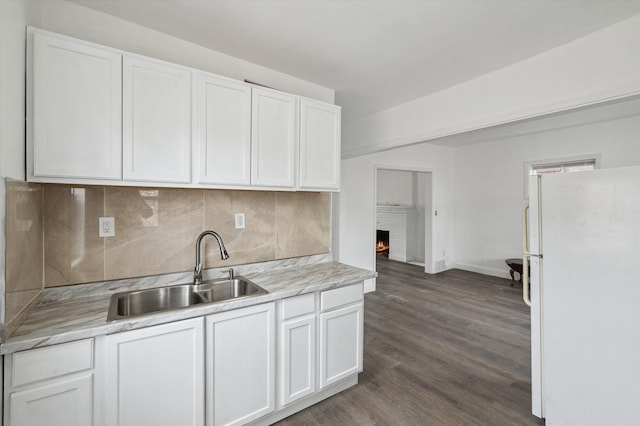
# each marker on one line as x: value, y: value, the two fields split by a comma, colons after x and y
x: 239, y: 220
x: 107, y: 227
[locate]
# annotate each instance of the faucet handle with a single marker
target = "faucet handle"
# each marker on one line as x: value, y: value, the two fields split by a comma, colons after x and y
x: 230, y: 273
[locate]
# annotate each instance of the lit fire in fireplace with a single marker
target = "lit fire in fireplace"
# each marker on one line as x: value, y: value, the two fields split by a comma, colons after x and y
x: 382, y: 248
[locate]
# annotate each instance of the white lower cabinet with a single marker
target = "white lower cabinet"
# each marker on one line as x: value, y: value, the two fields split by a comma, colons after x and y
x: 67, y: 402
x: 217, y: 370
x: 341, y: 334
x: 240, y: 364
x: 155, y: 375
x: 51, y: 386
x: 297, y: 348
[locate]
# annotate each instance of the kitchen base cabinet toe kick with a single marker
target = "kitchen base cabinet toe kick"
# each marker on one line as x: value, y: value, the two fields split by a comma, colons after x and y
x: 253, y: 365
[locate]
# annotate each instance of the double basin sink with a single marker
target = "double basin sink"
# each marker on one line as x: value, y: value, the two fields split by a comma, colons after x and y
x: 154, y: 300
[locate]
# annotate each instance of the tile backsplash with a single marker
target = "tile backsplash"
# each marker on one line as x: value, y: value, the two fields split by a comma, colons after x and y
x: 52, y: 232
x: 156, y: 229
x: 73, y: 252
x: 24, y: 242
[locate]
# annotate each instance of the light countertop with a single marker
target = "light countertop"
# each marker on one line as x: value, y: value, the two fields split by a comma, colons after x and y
x: 69, y: 314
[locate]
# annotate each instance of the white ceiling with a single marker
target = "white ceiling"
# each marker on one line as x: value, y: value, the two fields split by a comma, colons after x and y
x: 375, y: 54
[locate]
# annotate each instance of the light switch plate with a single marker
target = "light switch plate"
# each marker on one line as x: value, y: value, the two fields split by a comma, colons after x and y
x: 107, y: 227
x: 239, y: 220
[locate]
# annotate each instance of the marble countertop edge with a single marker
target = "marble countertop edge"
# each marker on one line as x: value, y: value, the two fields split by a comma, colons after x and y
x: 69, y: 319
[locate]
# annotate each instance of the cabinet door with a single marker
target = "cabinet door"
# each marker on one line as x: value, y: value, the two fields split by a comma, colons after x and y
x: 157, y: 121
x: 297, y: 358
x: 319, y: 165
x: 155, y: 375
x: 273, y: 138
x: 340, y: 344
x: 75, y: 113
x: 224, y: 137
x: 240, y: 365
x: 66, y: 402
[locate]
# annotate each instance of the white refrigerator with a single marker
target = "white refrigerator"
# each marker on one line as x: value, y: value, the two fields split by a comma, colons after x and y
x: 582, y: 239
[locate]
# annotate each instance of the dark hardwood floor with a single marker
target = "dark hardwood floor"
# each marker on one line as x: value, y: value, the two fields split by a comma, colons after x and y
x: 445, y: 349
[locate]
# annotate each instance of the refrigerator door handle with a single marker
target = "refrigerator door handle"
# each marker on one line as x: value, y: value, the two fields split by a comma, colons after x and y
x: 526, y: 296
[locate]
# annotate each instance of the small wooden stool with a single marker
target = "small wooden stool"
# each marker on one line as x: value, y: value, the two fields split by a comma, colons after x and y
x: 516, y: 266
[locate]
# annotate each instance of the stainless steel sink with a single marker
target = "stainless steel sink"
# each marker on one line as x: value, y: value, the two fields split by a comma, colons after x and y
x: 220, y: 290
x: 142, y: 302
x: 134, y: 303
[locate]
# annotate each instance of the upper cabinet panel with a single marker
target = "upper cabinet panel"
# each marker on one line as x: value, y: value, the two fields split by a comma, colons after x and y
x: 319, y: 165
x: 97, y: 115
x: 75, y: 109
x: 273, y: 139
x: 224, y: 131
x: 157, y: 121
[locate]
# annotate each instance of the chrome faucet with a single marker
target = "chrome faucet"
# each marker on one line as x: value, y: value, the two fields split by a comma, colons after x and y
x: 197, y: 273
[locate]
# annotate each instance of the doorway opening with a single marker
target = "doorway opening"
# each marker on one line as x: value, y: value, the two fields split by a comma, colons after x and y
x: 403, y: 216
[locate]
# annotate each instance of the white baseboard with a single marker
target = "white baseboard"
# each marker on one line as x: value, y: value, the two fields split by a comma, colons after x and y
x: 482, y: 270
x: 397, y: 258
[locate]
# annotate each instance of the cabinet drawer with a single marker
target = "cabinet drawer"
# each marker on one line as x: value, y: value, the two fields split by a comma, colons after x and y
x: 65, y: 402
x: 52, y: 361
x: 298, y: 305
x: 340, y: 296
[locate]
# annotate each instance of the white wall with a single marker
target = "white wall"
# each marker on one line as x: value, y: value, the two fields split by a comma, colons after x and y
x: 357, y: 200
x: 600, y: 66
x: 422, y: 202
x: 14, y: 16
x: 488, y: 185
x: 395, y: 187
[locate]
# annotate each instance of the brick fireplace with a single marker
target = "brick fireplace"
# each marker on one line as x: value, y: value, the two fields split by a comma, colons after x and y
x: 397, y: 221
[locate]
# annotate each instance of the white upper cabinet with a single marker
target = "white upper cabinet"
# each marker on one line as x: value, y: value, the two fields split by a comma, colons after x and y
x: 319, y: 158
x: 273, y: 139
x: 157, y: 121
x: 97, y: 115
x: 74, y: 110
x: 224, y: 131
